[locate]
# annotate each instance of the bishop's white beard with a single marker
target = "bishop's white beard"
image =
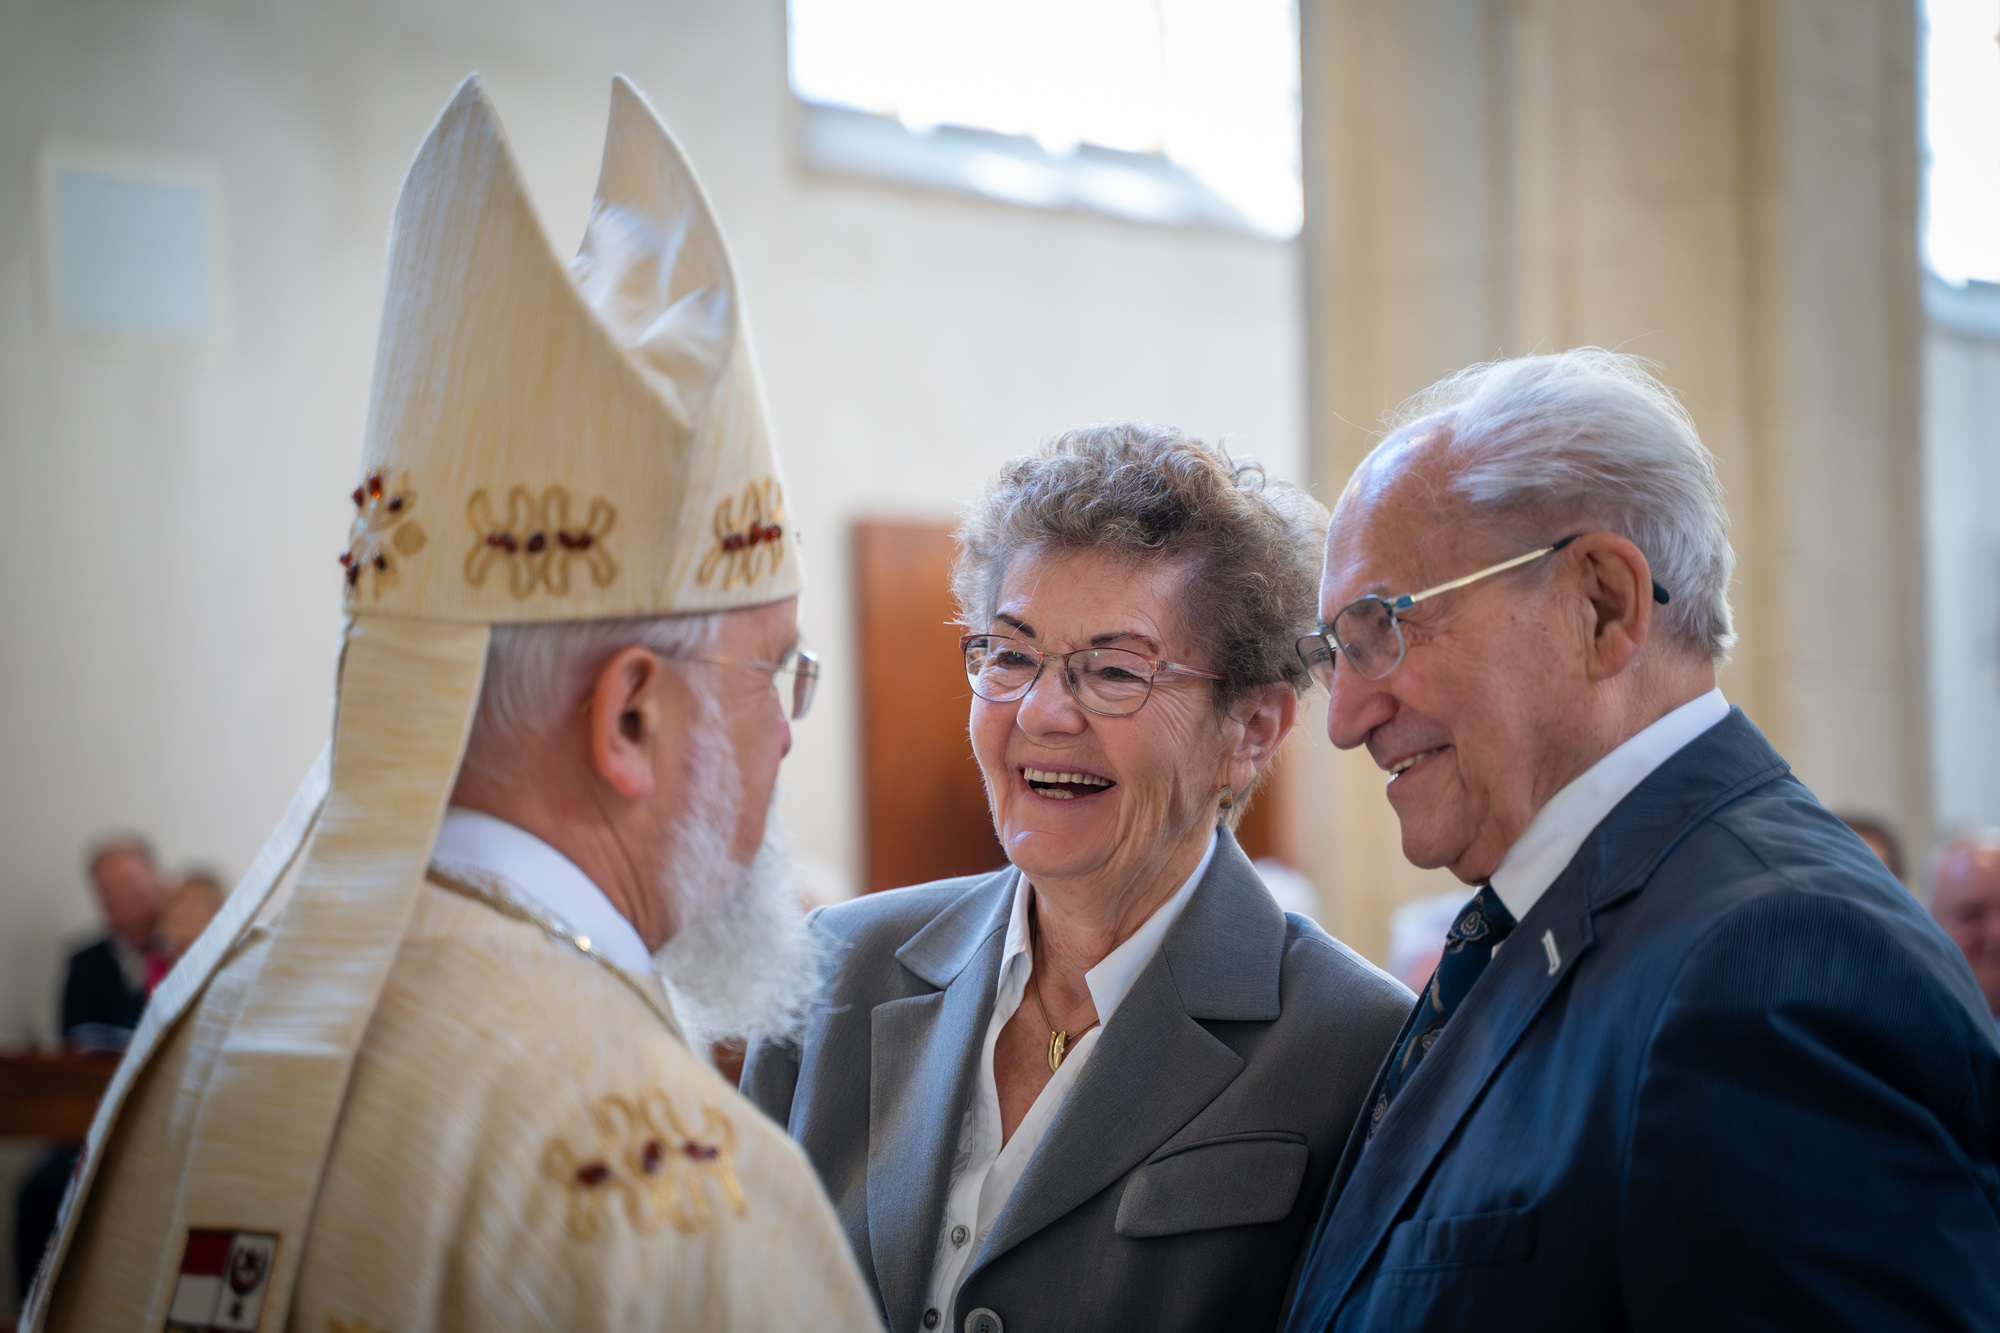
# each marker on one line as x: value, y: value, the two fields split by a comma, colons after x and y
x: 741, y: 962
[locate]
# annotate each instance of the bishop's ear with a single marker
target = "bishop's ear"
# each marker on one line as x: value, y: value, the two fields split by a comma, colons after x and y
x: 625, y: 715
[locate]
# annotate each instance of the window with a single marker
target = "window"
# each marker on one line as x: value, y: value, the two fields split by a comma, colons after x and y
x: 1961, y: 61
x: 1166, y: 111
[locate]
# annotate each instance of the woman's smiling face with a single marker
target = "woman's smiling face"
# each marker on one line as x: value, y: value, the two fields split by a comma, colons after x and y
x: 1140, y: 786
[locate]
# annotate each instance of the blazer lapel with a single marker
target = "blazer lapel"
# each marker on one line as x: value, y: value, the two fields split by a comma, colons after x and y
x: 1615, y: 861
x: 922, y: 1053
x: 1156, y: 1066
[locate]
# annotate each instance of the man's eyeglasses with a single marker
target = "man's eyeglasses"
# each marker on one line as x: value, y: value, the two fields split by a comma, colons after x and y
x: 1114, y: 682
x: 1368, y: 634
x: 801, y: 664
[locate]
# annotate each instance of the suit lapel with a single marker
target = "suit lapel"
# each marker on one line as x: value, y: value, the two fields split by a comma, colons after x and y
x: 922, y: 1054
x: 1156, y: 1066
x: 1614, y: 862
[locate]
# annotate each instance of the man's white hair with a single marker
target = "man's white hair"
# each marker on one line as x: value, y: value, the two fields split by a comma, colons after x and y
x: 538, y: 673
x: 1587, y: 439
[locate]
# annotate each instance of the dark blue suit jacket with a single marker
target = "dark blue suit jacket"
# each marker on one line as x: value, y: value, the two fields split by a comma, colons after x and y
x: 1725, y: 1074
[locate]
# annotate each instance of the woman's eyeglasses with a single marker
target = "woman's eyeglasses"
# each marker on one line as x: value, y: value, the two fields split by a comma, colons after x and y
x: 1113, y: 682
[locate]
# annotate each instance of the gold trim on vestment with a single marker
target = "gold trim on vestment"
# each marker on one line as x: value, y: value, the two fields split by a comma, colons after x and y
x: 507, y: 907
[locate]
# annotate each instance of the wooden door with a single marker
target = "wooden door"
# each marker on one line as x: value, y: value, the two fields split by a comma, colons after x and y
x: 924, y: 813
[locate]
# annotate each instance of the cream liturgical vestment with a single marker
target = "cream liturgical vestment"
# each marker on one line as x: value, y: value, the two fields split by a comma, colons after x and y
x: 421, y: 1096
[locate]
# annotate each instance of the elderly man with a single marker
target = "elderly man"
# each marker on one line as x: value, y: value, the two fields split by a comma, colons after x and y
x: 1691, y: 1058
x: 1965, y: 899
x: 445, y: 1088
x: 105, y: 988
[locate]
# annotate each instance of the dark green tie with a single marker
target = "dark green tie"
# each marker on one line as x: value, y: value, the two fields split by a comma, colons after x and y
x: 1481, y: 925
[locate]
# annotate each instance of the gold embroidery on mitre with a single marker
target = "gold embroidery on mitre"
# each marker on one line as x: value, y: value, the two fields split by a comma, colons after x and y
x: 537, y: 541
x: 648, y: 1158
x: 745, y: 536
x: 381, y: 521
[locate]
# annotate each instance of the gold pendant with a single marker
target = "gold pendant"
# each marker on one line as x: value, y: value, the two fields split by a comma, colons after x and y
x: 1058, y: 1047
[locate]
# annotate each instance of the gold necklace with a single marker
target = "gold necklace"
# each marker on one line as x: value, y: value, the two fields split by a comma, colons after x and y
x: 1058, y: 1039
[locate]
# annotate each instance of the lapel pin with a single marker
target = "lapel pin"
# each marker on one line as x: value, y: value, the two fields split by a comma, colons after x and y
x: 1549, y: 945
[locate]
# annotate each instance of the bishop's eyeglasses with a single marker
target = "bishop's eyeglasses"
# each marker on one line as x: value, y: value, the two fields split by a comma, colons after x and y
x: 1112, y: 682
x: 1368, y: 634
x: 801, y: 664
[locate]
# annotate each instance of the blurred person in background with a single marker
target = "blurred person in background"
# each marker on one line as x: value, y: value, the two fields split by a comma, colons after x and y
x: 1965, y: 900
x: 1880, y: 838
x: 188, y: 910
x: 1417, y: 932
x: 105, y: 988
x: 1103, y: 1087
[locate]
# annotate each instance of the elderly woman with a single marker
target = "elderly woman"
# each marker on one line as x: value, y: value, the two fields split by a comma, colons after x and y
x: 1105, y: 1087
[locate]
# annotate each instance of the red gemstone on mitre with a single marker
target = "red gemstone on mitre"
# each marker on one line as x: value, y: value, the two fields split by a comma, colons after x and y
x: 508, y: 543
x: 583, y: 541
x: 395, y: 503
x: 652, y: 1155
x: 592, y: 1174
x: 701, y: 1152
x: 346, y: 558
x: 733, y: 542
x: 375, y: 483
x: 381, y: 562
x: 536, y: 541
x: 358, y: 497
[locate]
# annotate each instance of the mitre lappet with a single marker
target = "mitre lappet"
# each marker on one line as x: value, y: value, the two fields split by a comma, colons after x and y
x: 545, y: 442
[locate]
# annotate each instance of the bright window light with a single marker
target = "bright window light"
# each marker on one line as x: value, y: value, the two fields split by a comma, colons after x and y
x: 1211, y: 86
x: 1962, y: 139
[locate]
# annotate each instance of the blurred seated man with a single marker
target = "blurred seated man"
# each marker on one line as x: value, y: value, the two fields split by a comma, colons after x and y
x: 189, y: 909
x: 1965, y: 899
x: 106, y: 988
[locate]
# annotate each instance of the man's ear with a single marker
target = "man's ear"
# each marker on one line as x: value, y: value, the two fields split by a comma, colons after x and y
x: 1617, y: 587
x: 626, y: 713
x: 1266, y: 715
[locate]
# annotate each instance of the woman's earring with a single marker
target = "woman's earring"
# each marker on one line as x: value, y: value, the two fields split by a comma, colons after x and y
x: 1228, y: 797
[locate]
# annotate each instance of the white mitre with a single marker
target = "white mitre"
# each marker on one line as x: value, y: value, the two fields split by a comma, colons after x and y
x: 545, y: 442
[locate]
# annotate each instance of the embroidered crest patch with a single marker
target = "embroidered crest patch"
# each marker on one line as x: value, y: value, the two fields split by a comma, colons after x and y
x: 224, y: 1275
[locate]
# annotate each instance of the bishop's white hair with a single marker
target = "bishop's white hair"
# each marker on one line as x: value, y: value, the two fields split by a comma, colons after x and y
x: 1557, y: 444
x: 539, y: 673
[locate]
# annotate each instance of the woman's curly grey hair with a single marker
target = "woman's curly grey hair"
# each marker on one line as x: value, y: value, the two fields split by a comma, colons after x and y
x: 1150, y: 493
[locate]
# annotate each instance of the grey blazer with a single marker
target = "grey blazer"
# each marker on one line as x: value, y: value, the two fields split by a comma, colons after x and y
x: 1175, y: 1186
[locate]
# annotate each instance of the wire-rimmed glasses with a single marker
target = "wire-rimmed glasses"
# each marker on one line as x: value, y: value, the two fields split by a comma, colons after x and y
x: 1367, y: 633
x: 802, y: 664
x: 1112, y: 682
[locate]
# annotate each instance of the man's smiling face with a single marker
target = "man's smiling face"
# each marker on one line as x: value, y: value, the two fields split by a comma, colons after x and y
x: 1475, y: 725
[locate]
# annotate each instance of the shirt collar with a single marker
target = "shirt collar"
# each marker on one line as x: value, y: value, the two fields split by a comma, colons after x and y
x: 1558, y: 829
x: 543, y: 879
x: 1116, y: 971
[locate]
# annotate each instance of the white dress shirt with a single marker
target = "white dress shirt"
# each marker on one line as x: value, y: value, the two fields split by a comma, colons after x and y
x: 541, y: 879
x: 1552, y: 837
x: 983, y: 1172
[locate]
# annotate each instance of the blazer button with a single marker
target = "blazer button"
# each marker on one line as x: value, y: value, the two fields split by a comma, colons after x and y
x: 931, y: 1317
x: 984, y: 1321
x: 959, y: 1235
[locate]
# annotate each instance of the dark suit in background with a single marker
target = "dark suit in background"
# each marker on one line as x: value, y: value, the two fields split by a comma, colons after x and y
x: 1744, y: 1083
x: 96, y: 990
x: 1177, y: 1182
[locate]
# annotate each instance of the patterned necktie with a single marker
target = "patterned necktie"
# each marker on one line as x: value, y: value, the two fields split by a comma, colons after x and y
x: 1481, y: 925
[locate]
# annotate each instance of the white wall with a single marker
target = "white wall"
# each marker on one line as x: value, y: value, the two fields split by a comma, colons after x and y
x: 170, y: 520
x: 1962, y: 535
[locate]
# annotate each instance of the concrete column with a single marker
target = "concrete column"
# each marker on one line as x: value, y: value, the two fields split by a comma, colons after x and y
x: 1726, y: 187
